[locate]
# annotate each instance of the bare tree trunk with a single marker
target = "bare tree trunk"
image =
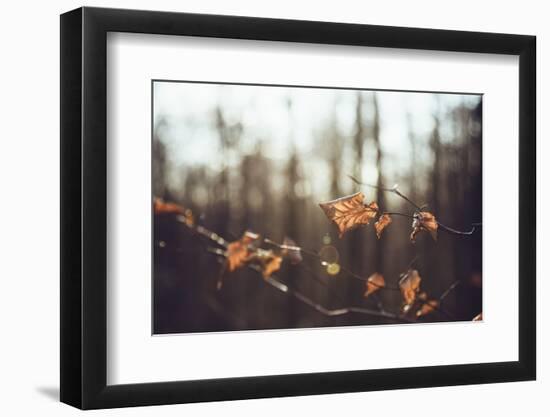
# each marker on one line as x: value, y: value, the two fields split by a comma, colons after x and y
x: 437, y: 267
x: 222, y: 186
x: 380, y: 195
x: 357, y: 241
x: 292, y: 226
x: 435, y: 144
x: 414, y: 163
x: 358, y: 137
x: 335, y: 160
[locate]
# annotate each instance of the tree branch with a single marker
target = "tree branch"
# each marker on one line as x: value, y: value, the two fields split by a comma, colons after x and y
x: 458, y: 232
x: 214, y: 237
x: 396, y: 191
x: 332, y: 312
x: 448, y: 291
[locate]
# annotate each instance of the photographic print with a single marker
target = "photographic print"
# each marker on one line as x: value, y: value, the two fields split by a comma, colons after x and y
x: 283, y: 207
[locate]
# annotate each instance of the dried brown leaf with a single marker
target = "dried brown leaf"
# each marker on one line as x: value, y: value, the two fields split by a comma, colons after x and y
x: 374, y: 283
x: 162, y: 207
x: 272, y: 265
x: 268, y: 260
x: 241, y: 251
x: 410, y: 286
x: 427, y: 308
x: 349, y: 212
x: 424, y: 221
x: 383, y: 221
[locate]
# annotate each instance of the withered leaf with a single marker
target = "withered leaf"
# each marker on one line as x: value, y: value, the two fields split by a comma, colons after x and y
x: 268, y: 260
x: 410, y: 286
x: 349, y: 212
x: 241, y: 251
x: 383, y: 221
x: 424, y: 221
x: 162, y: 207
x: 271, y: 266
x: 479, y: 317
x: 290, y: 250
x: 427, y: 308
x: 374, y: 283
x: 184, y: 215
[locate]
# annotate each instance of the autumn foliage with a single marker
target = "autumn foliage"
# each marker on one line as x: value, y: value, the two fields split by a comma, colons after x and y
x: 350, y: 212
x: 374, y: 283
x: 346, y: 213
x: 424, y: 221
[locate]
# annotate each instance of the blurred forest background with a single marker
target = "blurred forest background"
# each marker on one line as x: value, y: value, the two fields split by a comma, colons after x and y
x: 262, y: 158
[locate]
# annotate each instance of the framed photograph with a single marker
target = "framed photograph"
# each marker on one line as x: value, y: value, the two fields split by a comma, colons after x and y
x: 256, y: 208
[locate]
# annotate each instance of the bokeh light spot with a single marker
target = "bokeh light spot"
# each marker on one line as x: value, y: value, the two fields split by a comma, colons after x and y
x: 329, y: 254
x: 333, y: 269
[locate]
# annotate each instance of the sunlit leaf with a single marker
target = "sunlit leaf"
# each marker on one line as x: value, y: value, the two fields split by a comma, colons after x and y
x: 427, y: 307
x: 424, y: 221
x: 162, y: 207
x: 374, y: 283
x: 406, y: 307
x: 349, y: 212
x: 268, y: 260
x: 410, y: 286
x: 271, y: 265
x: 383, y: 221
x: 240, y: 251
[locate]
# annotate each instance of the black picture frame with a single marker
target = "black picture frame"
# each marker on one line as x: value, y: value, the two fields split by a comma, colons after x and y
x: 84, y: 207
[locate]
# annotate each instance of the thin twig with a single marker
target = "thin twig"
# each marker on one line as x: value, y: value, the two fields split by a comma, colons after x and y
x: 333, y: 312
x: 394, y: 190
x: 214, y: 237
x: 457, y: 232
x: 286, y: 289
x: 410, y: 216
x: 448, y: 291
x: 317, y: 279
x: 412, y: 262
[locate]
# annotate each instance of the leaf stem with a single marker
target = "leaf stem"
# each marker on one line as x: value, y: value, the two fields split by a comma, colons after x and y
x: 394, y: 190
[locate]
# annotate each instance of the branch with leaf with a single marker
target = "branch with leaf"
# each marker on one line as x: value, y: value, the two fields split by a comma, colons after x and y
x: 266, y: 257
x: 352, y: 211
